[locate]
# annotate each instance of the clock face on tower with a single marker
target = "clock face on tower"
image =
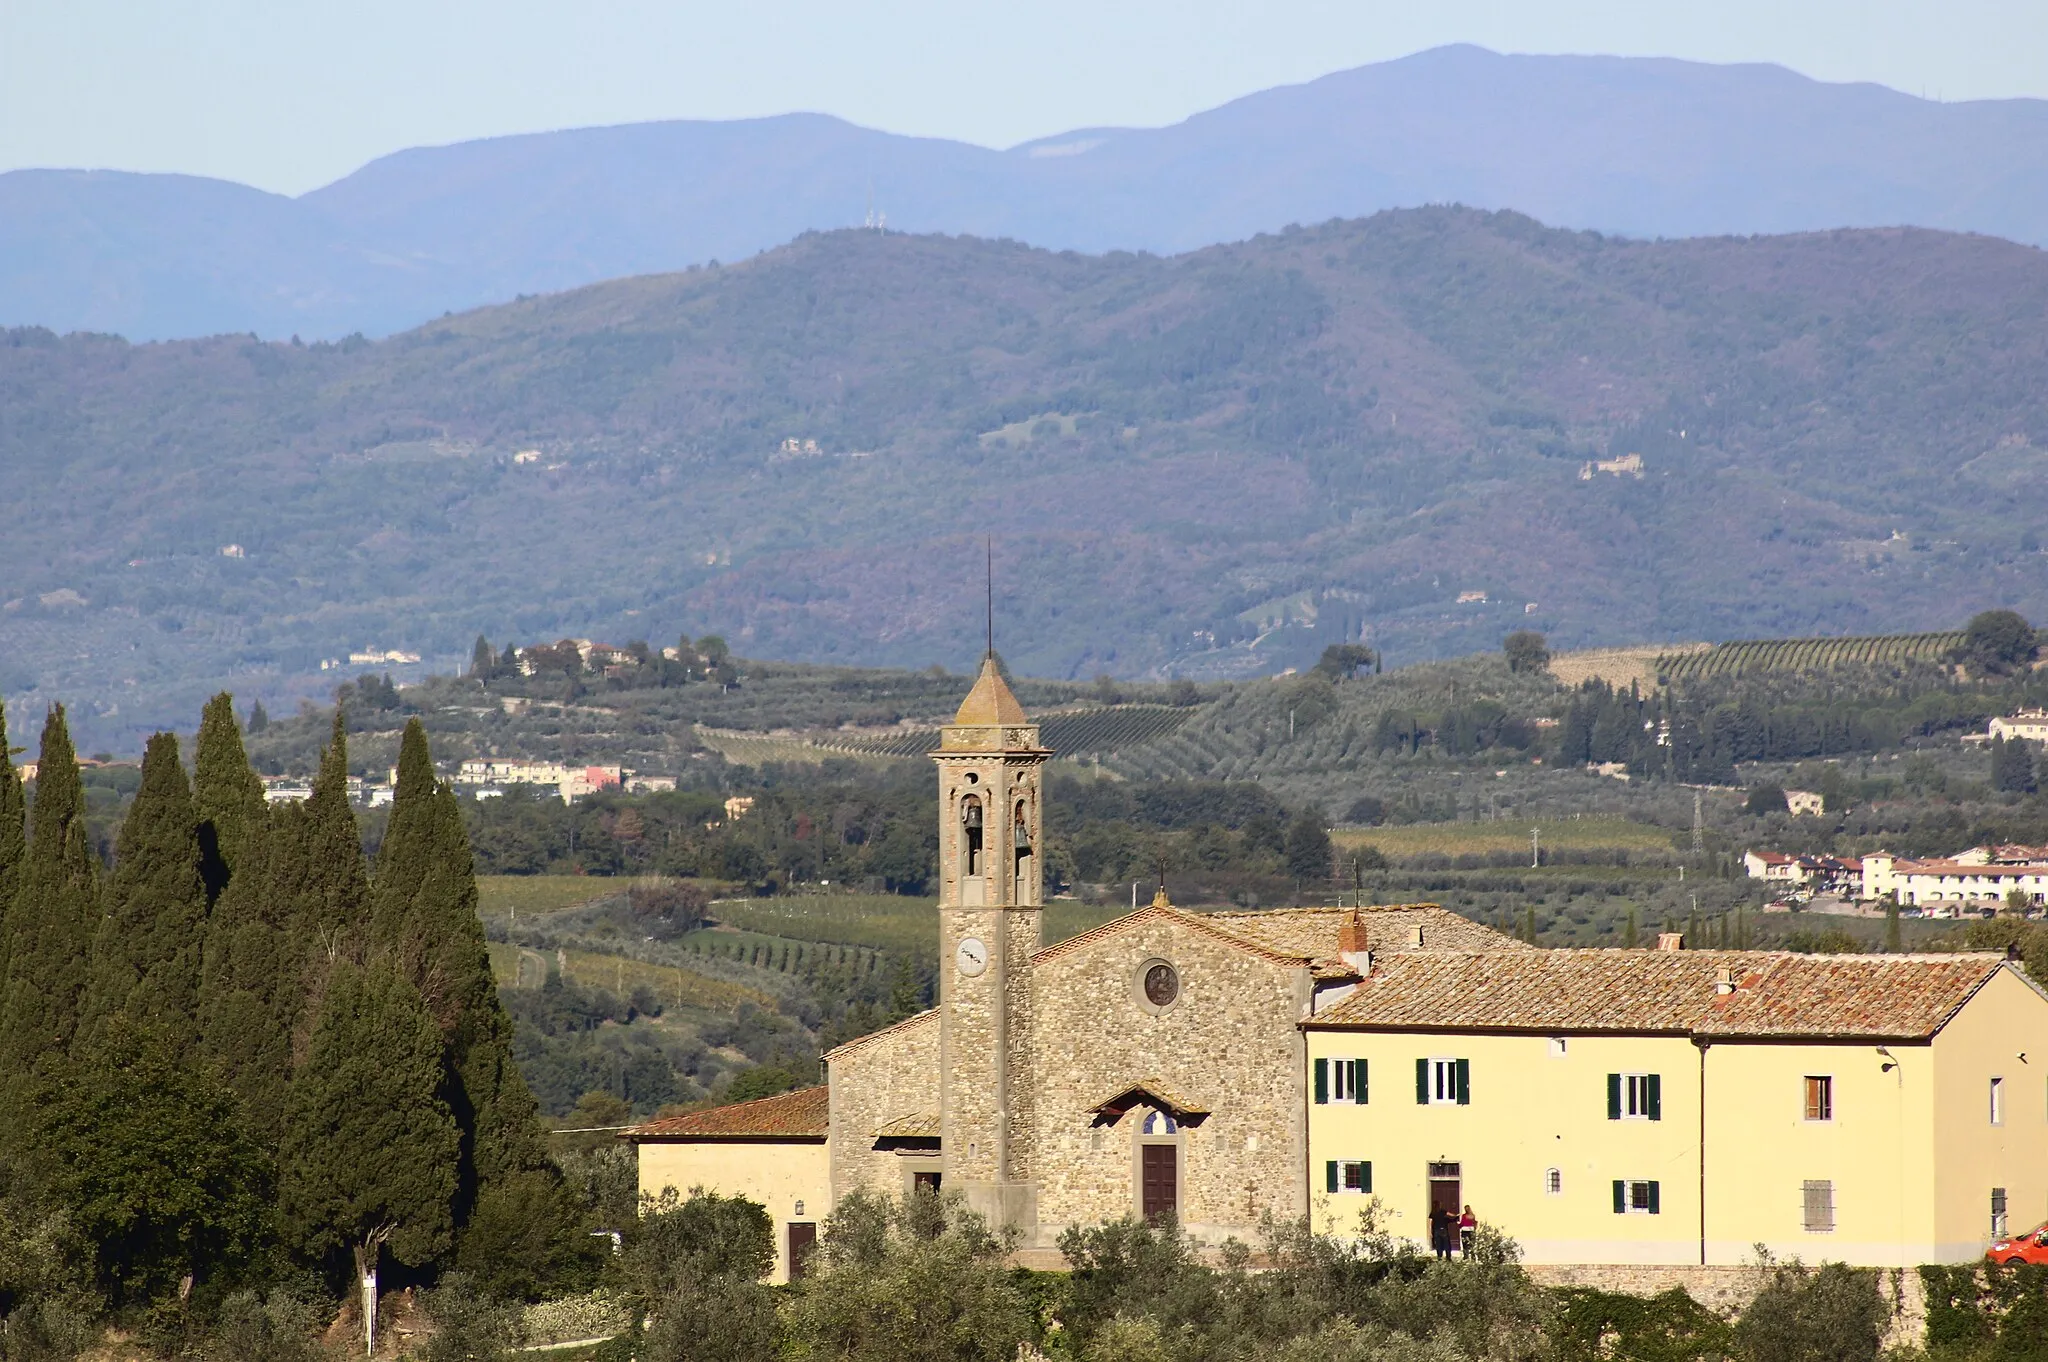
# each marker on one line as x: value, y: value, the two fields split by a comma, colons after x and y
x: 971, y: 956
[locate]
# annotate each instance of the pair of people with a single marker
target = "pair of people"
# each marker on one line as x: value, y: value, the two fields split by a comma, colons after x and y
x: 1448, y: 1232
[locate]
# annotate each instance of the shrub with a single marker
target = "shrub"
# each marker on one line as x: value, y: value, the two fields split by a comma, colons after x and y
x: 470, y: 1324
x: 1831, y: 1313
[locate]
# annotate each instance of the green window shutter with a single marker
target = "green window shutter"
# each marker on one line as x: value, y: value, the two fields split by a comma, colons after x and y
x: 1656, y: 1096
x: 1464, y: 1082
x: 1614, y: 1097
x: 1367, y: 1180
x: 1330, y: 1176
x: 1358, y: 1093
x: 1322, y: 1081
x: 1422, y: 1081
x: 1653, y: 1199
x: 1620, y: 1197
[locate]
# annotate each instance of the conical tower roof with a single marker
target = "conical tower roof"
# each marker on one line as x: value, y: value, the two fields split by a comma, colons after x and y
x: 990, y: 703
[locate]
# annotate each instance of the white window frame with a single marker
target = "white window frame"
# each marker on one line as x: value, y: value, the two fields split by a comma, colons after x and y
x: 1635, y: 1097
x: 1997, y: 1099
x: 1346, y: 1168
x: 1553, y: 1182
x: 1341, y: 1090
x: 1443, y: 1082
x: 1628, y: 1196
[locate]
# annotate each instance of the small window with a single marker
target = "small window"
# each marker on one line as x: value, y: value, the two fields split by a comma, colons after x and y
x: 1347, y: 1175
x: 1998, y: 1212
x: 1819, y: 1198
x: 1998, y: 1101
x: 1443, y: 1082
x: 1636, y: 1196
x: 1820, y: 1097
x: 1553, y: 1182
x: 1160, y: 1123
x: 1348, y: 1080
x: 1635, y: 1097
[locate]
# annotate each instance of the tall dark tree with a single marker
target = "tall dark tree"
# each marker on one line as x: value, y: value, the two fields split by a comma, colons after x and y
x: 2012, y: 765
x: 1308, y: 848
x: 1527, y: 651
x: 51, y: 925
x: 151, y: 1160
x: 482, y: 661
x: 1997, y: 642
x: 319, y: 857
x: 228, y: 791
x: 424, y: 920
x: 369, y: 1152
x: 251, y: 985
x: 13, y: 838
x: 146, y: 954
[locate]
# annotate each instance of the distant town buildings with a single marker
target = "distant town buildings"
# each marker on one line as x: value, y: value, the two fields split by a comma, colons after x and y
x: 373, y: 657
x: 1805, y: 803
x: 2031, y: 724
x: 571, y: 782
x: 1629, y: 464
x: 1977, y: 879
x: 232, y: 551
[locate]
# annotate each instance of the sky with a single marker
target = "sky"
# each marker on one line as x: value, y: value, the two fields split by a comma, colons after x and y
x: 288, y: 95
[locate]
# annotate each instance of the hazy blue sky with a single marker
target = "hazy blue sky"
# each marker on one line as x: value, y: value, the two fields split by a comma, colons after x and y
x: 289, y: 95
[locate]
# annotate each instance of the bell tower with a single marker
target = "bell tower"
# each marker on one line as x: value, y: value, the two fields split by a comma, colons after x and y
x: 991, y: 901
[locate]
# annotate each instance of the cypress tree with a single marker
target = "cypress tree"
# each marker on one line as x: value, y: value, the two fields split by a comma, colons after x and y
x: 251, y: 985
x: 228, y: 791
x: 13, y: 838
x: 56, y: 909
x: 424, y: 920
x: 146, y: 954
x: 369, y: 1152
x: 321, y: 858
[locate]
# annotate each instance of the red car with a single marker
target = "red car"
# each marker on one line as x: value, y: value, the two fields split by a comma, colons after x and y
x: 2031, y: 1247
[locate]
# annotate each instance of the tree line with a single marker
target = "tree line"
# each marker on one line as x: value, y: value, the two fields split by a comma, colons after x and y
x: 244, y: 1055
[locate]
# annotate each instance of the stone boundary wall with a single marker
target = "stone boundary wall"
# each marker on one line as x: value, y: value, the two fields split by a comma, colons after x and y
x: 1728, y: 1290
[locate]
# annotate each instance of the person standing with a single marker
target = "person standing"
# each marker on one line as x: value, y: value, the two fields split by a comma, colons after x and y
x: 1440, y: 1232
x: 1467, y: 1224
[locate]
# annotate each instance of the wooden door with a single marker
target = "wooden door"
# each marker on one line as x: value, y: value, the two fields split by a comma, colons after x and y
x: 803, y: 1237
x: 1159, y: 1186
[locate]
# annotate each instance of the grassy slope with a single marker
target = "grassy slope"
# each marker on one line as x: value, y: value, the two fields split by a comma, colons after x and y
x: 1354, y: 422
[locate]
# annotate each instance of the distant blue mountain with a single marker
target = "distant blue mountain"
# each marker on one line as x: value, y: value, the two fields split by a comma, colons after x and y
x: 1644, y: 147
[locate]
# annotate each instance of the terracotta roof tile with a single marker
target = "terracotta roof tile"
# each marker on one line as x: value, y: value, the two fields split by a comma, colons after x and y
x: 1306, y: 936
x: 1774, y: 993
x: 802, y: 1114
x: 990, y: 702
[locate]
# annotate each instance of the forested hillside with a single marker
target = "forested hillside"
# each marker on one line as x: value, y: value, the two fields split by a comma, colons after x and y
x: 1203, y: 466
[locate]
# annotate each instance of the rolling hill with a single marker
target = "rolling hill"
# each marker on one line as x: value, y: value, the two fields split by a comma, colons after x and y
x: 1643, y: 147
x: 1206, y: 465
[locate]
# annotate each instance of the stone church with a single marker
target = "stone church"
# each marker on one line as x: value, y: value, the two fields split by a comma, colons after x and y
x: 1155, y: 1064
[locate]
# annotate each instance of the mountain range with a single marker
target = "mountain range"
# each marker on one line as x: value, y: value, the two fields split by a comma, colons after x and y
x: 1632, y: 146
x: 1427, y: 427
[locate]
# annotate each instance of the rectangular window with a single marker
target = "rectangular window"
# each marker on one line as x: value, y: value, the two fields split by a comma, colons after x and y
x: 1820, y: 1097
x: 1440, y: 1082
x: 1998, y: 1212
x: 1636, y: 1196
x: 1347, y: 1175
x: 1348, y: 1080
x: 1635, y: 1097
x: 1998, y: 1101
x: 1819, y: 1196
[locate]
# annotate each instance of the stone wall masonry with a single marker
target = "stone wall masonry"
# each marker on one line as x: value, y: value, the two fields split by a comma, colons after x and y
x: 1727, y: 1291
x: 1228, y: 1043
x: 895, y: 1076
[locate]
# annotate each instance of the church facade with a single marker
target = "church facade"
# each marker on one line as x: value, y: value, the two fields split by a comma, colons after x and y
x: 1153, y: 1065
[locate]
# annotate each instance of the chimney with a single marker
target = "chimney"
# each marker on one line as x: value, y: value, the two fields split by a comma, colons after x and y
x: 1724, y: 980
x: 1415, y: 938
x: 1671, y: 941
x: 1353, y: 948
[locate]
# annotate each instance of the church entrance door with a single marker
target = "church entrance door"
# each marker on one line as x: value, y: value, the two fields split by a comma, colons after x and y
x: 1159, y: 1180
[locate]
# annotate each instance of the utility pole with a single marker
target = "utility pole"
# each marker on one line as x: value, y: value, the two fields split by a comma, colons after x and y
x: 1535, y: 848
x: 1698, y: 835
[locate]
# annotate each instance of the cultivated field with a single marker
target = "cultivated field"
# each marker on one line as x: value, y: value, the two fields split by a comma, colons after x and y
x: 1807, y: 654
x: 1480, y: 839
x: 499, y: 895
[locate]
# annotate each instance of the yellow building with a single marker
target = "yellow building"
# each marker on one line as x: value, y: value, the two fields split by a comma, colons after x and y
x: 771, y: 1151
x: 1682, y: 1107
